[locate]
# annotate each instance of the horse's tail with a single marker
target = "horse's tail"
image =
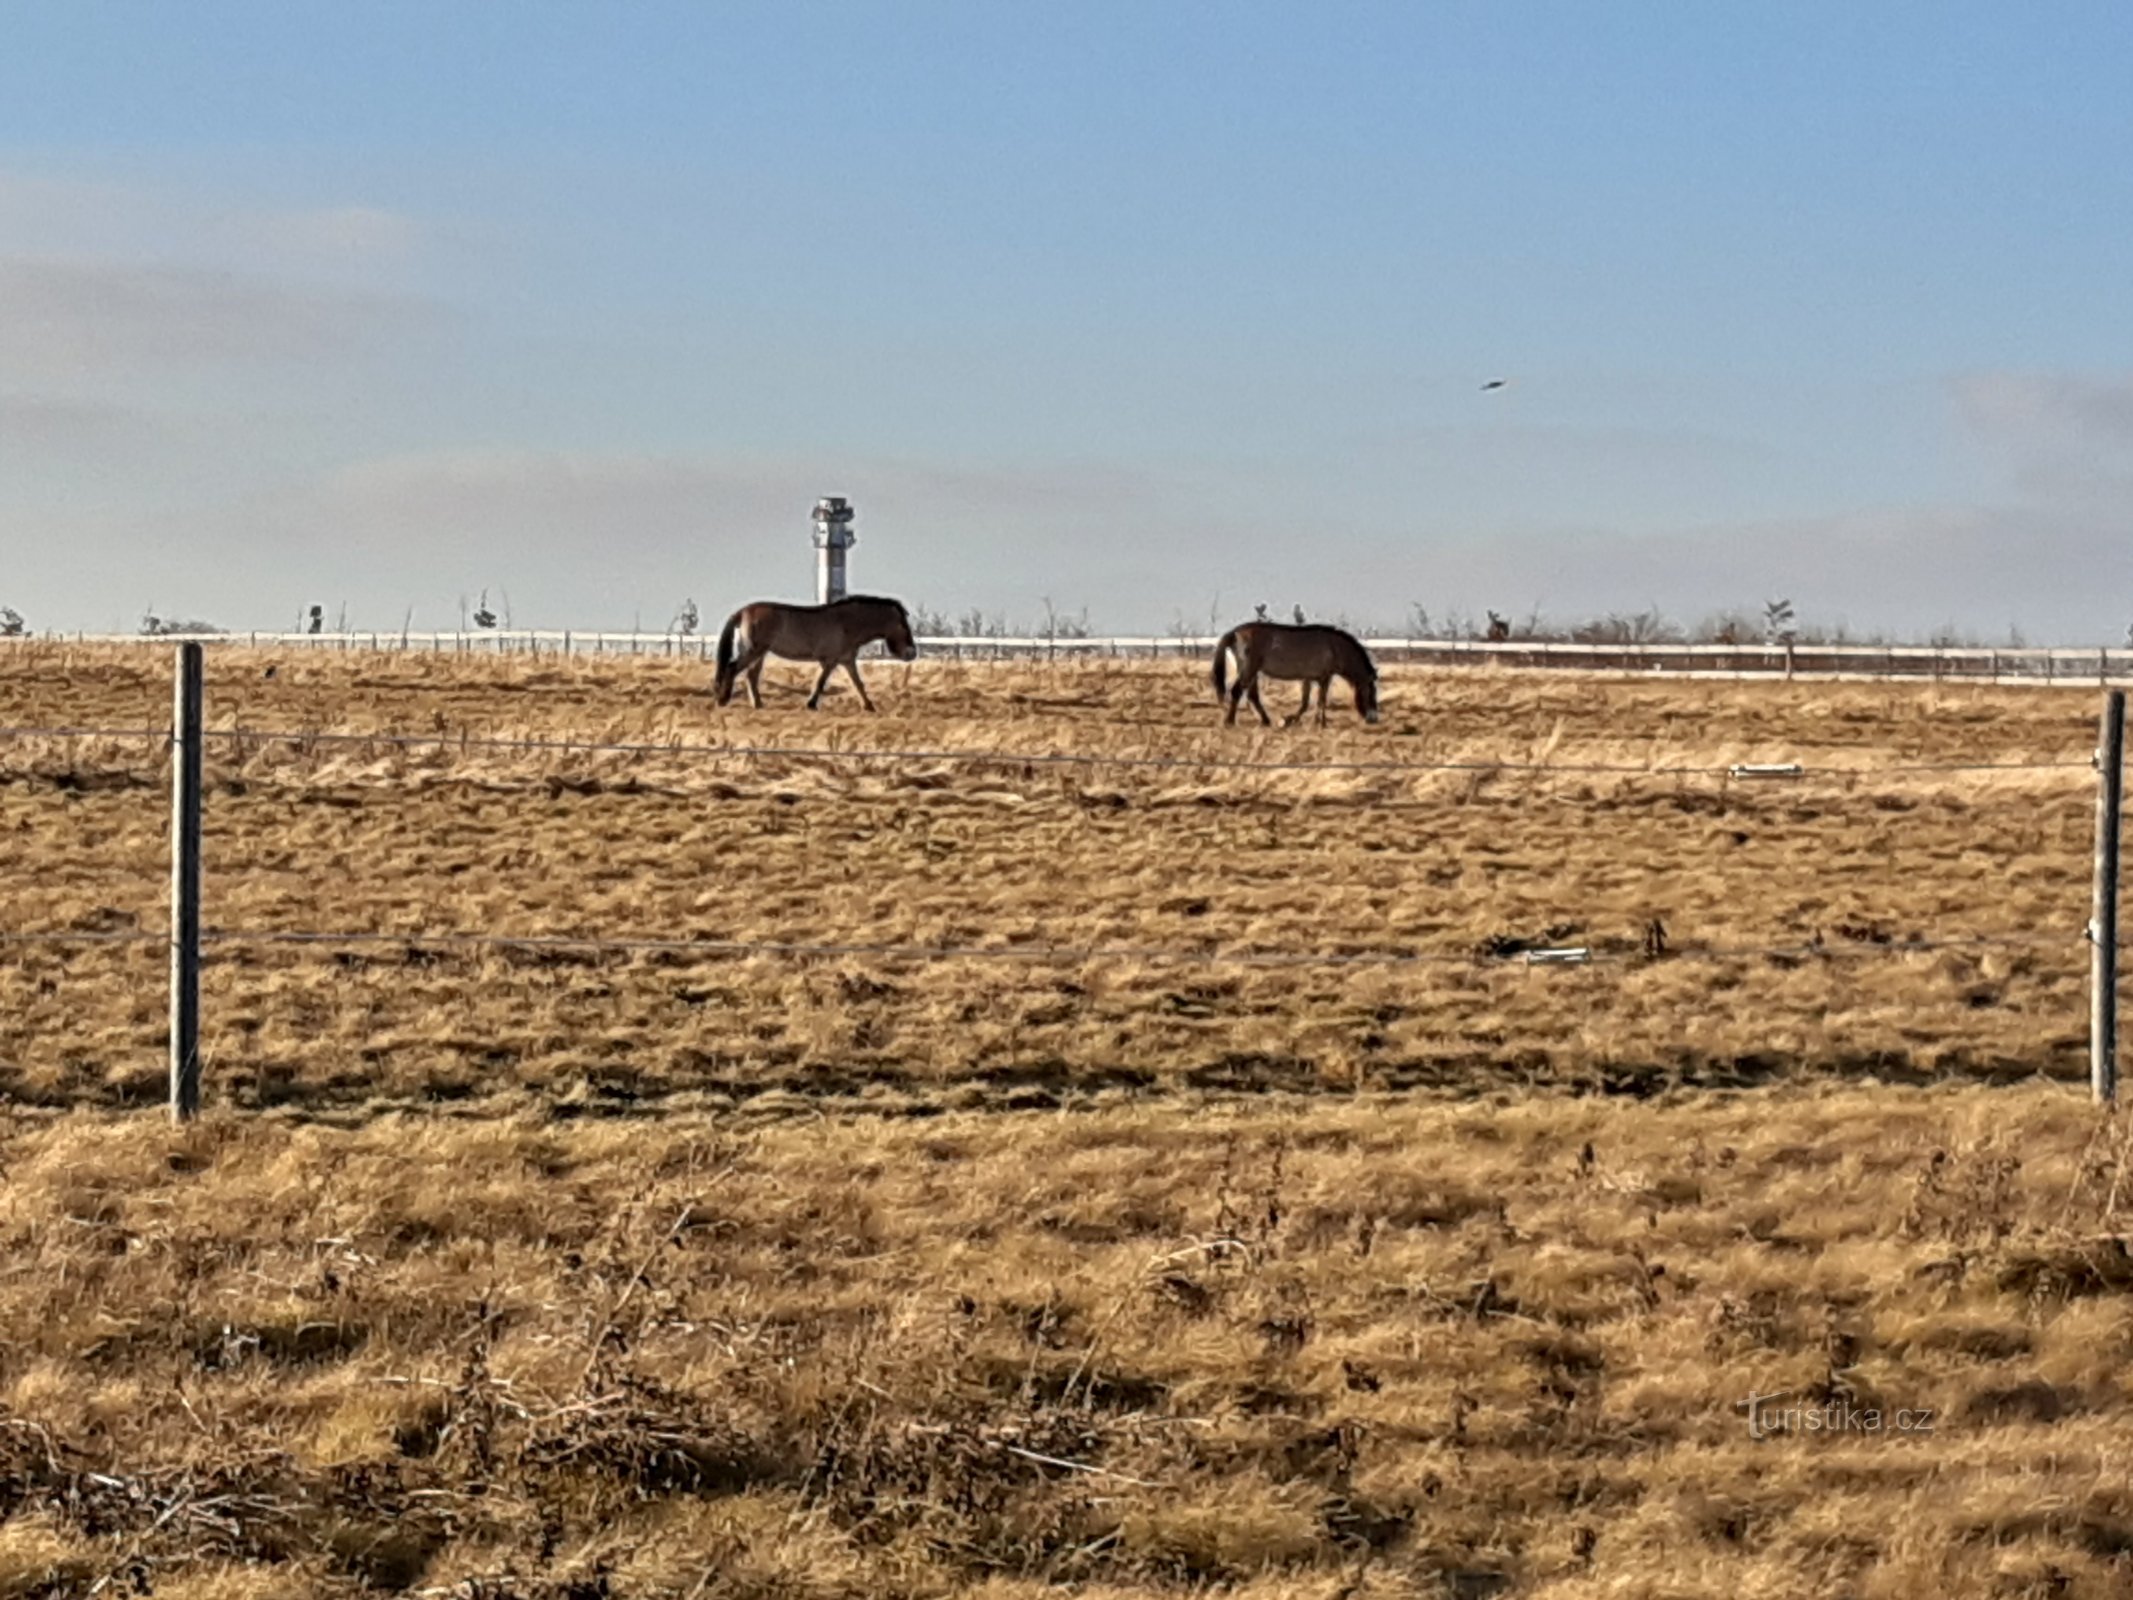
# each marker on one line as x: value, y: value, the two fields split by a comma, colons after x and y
x: 728, y: 657
x: 1223, y: 646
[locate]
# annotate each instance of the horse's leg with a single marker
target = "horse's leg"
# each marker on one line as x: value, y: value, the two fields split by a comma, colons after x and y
x: 851, y: 670
x: 1325, y: 693
x: 1290, y: 722
x: 1258, y: 704
x: 754, y: 674
x: 814, y: 701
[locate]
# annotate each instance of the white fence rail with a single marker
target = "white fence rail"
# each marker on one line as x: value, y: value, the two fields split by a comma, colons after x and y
x: 2084, y: 666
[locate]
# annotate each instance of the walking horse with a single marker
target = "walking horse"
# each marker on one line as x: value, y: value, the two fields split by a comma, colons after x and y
x: 830, y: 635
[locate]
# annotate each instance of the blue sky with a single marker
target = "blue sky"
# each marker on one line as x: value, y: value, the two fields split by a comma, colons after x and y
x: 1157, y: 310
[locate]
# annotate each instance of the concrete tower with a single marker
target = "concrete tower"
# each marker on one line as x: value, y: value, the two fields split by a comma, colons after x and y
x: 833, y: 536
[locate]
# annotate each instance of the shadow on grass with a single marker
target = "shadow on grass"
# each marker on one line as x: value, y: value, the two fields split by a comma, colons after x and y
x: 454, y: 1086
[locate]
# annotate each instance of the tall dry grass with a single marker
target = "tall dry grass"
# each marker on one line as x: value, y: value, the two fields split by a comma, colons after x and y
x: 538, y: 1273
x: 1380, y: 1349
x: 1451, y: 867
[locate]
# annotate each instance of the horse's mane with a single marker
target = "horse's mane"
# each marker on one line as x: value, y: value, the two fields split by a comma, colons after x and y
x: 1368, y: 662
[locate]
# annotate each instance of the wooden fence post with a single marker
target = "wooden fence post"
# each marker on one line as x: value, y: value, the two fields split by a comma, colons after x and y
x: 2103, y: 923
x: 185, y: 886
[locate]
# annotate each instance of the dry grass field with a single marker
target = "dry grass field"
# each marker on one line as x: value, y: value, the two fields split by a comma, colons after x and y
x: 1439, y: 865
x: 525, y: 1272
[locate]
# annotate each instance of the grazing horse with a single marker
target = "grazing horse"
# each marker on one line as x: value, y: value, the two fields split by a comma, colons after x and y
x: 832, y: 635
x: 1314, y: 653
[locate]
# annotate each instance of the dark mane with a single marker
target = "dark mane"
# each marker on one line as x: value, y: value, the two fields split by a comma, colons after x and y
x: 1368, y: 662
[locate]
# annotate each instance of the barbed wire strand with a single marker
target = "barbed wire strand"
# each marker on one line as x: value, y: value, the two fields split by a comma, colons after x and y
x: 84, y: 733
x: 1044, y: 954
x: 1038, y: 758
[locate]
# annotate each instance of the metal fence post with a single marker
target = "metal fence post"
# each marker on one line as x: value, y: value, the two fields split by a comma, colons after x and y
x: 185, y: 885
x: 2103, y: 923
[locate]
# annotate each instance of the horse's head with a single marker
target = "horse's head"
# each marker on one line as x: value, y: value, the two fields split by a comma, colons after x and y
x: 1366, y: 694
x: 898, y: 634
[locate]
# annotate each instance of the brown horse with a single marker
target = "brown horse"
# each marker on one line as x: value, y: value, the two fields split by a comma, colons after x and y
x: 1314, y: 653
x: 832, y: 635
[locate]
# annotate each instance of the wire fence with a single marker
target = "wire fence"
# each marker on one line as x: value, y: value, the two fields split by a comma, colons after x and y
x: 426, y: 945
x: 261, y: 737
x: 457, y: 940
x: 2070, y: 666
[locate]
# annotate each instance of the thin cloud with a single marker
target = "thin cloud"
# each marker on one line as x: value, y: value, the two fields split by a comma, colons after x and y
x: 77, y: 318
x: 345, y: 234
x: 36, y: 427
x: 112, y: 218
x: 571, y: 495
x: 2067, y: 409
x: 77, y: 213
x: 2065, y: 438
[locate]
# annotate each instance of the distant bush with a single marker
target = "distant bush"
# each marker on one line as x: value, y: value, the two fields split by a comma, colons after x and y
x: 154, y: 627
x: 1058, y: 625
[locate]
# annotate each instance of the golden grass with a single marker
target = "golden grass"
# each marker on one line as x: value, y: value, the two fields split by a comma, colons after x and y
x: 1194, y: 861
x: 1380, y: 1349
x: 533, y: 1275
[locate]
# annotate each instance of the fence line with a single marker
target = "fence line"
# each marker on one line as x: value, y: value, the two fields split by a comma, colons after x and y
x: 188, y: 937
x: 1064, y: 955
x: 2073, y: 666
x: 2102, y: 931
x: 1034, y: 758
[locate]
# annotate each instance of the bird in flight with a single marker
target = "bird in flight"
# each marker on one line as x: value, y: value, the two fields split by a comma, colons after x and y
x: 1496, y: 383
